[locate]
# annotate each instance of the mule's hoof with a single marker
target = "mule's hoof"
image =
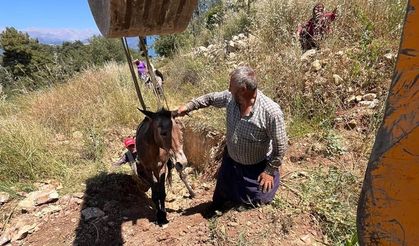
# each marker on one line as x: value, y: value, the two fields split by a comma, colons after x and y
x: 192, y: 195
x: 162, y: 222
x: 162, y: 218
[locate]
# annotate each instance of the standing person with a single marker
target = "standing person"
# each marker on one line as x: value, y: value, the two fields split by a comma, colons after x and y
x: 142, y: 69
x: 159, y: 80
x: 315, y: 29
x: 256, y: 141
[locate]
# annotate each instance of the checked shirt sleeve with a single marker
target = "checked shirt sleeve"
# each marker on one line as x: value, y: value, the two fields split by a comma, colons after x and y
x: 276, y: 132
x: 216, y: 99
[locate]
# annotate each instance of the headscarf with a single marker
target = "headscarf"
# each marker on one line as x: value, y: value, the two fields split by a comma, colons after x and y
x: 318, y: 11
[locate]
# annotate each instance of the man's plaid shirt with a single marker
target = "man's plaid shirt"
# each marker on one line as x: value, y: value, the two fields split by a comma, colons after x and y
x: 253, y: 138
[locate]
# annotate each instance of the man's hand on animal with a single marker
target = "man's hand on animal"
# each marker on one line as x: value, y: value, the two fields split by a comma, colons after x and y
x: 182, y: 110
x: 266, y: 182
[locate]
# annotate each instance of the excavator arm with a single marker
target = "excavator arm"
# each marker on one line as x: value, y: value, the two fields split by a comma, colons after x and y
x: 388, y: 209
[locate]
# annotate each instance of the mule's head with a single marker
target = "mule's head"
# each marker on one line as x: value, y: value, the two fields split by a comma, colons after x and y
x: 167, y: 133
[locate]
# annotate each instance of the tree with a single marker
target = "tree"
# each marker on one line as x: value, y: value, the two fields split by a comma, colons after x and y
x: 74, y: 56
x: 167, y: 45
x: 17, y: 53
x: 25, y: 58
x: 104, y: 49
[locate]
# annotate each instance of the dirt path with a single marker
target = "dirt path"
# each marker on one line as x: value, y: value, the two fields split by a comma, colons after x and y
x: 128, y: 219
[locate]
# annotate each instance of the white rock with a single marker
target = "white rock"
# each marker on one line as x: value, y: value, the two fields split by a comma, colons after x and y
x: 389, y: 56
x: 369, y: 97
x: 241, y: 44
x: 351, y: 99
x: 91, y: 212
x: 200, y: 50
x: 37, y: 198
x: 374, y: 103
x: 316, y: 65
x: 308, y: 54
x: 235, y: 38
x: 76, y: 200
x: 4, y: 197
x: 232, y: 224
x: 339, y: 53
x: 46, y: 196
x: 23, y: 232
x: 365, y: 103
x: 26, y: 205
x: 231, y: 47
x: 242, y: 36
x: 232, y: 55
x: 358, y: 98
x: 78, y: 195
x: 337, y: 79
x: 5, y: 237
x: 48, y: 210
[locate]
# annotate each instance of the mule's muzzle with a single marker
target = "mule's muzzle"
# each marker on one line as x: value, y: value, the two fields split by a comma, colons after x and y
x: 179, y: 167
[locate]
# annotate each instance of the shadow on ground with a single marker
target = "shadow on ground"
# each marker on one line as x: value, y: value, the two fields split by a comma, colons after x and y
x: 120, y: 199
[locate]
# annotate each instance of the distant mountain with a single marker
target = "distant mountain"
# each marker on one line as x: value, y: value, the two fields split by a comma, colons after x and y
x: 58, y: 36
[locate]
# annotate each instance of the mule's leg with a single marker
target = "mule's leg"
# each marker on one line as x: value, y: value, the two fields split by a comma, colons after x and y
x: 182, y: 176
x: 161, y: 210
x: 155, y: 196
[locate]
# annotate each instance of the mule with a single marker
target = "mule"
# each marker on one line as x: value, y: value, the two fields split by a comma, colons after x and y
x: 159, y: 142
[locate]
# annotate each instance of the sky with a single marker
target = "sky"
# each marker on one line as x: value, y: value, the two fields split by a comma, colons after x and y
x: 58, y: 20
x: 54, y: 21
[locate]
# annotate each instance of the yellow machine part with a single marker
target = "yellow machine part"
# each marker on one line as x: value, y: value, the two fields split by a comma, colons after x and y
x: 388, y: 209
x: 133, y: 18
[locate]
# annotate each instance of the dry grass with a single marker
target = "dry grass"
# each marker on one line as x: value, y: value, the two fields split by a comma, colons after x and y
x: 97, y: 97
x: 63, y: 132
x: 69, y: 131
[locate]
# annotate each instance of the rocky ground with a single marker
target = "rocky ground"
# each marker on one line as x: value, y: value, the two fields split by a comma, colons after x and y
x: 112, y: 211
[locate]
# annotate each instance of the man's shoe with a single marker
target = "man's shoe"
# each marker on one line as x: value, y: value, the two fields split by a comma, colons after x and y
x: 212, y: 211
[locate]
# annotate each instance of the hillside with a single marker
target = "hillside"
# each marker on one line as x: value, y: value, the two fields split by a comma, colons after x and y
x: 62, y: 140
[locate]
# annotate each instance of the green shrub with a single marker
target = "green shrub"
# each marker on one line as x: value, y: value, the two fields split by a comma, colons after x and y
x: 214, y: 16
x: 28, y: 152
x: 168, y: 45
x: 239, y: 23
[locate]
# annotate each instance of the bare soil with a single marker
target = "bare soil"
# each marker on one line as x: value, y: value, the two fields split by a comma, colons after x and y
x: 129, y: 216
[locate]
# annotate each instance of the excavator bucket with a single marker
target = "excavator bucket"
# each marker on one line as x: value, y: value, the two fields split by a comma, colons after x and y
x: 388, y: 209
x: 129, y: 18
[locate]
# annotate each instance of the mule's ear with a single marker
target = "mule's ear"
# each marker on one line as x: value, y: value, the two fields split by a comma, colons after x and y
x: 149, y: 114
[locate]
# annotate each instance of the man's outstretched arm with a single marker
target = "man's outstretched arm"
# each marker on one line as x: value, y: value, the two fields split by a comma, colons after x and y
x: 216, y: 99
